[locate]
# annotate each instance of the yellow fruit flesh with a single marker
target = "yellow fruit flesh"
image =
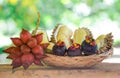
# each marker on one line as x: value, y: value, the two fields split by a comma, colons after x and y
x: 50, y: 46
x: 45, y: 37
x: 100, y: 41
x: 79, y: 36
x: 64, y: 34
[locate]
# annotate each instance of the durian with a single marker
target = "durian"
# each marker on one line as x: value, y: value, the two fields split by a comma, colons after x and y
x: 79, y: 35
x: 62, y: 33
x: 89, y: 33
x: 108, y: 43
x: 54, y: 33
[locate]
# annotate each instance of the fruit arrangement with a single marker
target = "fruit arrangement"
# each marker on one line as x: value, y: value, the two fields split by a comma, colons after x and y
x: 72, y: 47
x: 81, y: 53
x: 77, y: 49
x: 82, y: 43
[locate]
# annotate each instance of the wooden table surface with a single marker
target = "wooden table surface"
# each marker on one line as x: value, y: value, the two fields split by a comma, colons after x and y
x: 102, y: 70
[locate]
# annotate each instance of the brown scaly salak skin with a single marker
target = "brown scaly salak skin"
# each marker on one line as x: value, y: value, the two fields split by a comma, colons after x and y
x: 27, y: 49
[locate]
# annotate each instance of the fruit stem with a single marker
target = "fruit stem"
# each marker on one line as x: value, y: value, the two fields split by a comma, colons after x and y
x: 37, y: 25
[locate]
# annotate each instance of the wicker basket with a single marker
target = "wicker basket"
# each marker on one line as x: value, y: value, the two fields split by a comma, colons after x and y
x: 76, y: 62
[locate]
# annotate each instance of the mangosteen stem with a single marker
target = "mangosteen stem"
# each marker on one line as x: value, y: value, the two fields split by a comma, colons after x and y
x: 37, y: 25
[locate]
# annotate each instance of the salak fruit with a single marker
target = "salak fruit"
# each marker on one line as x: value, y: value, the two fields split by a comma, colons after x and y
x: 26, y: 50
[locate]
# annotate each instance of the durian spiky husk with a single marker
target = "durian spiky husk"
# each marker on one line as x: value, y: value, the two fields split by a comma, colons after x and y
x: 108, y: 43
x: 62, y: 33
x: 80, y: 33
x: 53, y: 39
x: 88, y: 32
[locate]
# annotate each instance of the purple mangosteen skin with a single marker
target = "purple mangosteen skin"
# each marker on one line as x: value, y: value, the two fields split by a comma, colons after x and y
x: 76, y: 52
x: 59, y: 50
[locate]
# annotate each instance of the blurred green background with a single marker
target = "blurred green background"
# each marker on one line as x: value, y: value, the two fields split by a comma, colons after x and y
x: 101, y: 16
